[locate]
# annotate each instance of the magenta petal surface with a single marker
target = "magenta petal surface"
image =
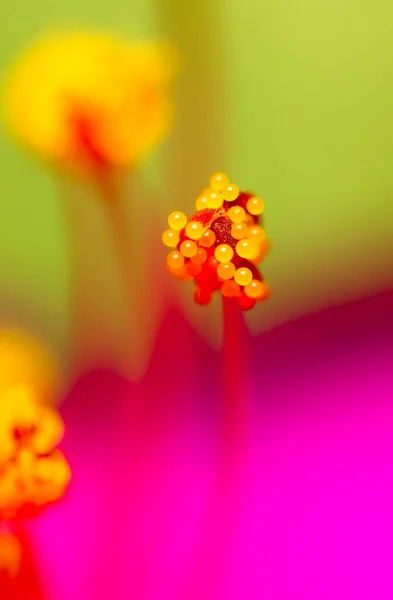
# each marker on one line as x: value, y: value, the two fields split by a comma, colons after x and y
x: 314, y: 517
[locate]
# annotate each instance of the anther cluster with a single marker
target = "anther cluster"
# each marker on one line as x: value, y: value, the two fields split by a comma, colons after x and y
x: 220, y: 246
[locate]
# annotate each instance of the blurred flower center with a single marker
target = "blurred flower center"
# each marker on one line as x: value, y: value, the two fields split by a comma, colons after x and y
x: 90, y: 99
x: 33, y: 472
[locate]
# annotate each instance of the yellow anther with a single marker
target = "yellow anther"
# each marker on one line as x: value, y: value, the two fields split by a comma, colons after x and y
x: 170, y: 238
x: 230, y: 192
x: 247, y: 249
x: 255, y: 205
x: 177, y: 220
x: 243, y: 276
x: 254, y: 289
x: 223, y: 253
x: 226, y: 270
x: 214, y: 199
x: 201, y: 202
x: 208, y: 239
x: 188, y: 248
x: 239, y: 231
x: 218, y: 181
x: 256, y: 234
x: 175, y: 260
x: 237, y: 214
x: 194, y: 230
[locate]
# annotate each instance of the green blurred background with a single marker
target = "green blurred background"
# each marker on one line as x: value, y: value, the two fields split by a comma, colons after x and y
x: 293, y: 99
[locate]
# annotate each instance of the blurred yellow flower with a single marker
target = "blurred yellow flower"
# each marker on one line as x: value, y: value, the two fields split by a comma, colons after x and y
x: 33, y: 472
x: 89, y: 99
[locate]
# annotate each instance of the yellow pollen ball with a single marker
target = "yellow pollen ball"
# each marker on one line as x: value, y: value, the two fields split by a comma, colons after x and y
x: 226, y: 270
x: 254, y: 289
x: 246, y: 249
x: 256, y: 234
x: 201, y: 202
x: 177, y: 220
x: 243, y: 276
x: 237, y: 214
x: 170, y: 238
x: 175, y: 260
x: 218, y: 181
x: 194, y: 230
x: 223, y: 253
x: 200, y: 257
x: 239, y: 231
x: 208, y: 239
x: 214, y: 200
x: 230, y: 192
x: 188, y: 248
x: 255, y: 205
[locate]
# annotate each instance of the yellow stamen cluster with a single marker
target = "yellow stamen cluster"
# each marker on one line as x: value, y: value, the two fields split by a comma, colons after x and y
x: 33, y: 472
x: 221, y: 244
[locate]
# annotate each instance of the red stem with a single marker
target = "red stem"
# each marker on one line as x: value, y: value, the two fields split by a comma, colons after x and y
x: 227, y: 489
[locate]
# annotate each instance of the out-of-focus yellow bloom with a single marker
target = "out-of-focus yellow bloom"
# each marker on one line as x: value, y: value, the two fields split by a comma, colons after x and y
x: 25, y: 361
x: 33, y: 472
x: 90, y: 99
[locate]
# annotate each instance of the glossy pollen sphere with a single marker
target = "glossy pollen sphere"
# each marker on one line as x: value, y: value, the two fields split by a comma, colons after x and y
x: 237, y: 214
x: 170, y: 238
x: 230, y: 192
x: 214, y: 199
x: 254, y: 289
x: 239, y: 231
x: 175, y: 260
x: 208, y: 239
x: 177, y: 220
x: 201, y: 202
x: 226, y: 270
x: 194, y: 230
x: 256, y: 234
x: 243, y: 276
x: 247, y: 249
x: 255, y: 206
x: 223, y: 253
x: 218, y: 181
x: 188, y: 248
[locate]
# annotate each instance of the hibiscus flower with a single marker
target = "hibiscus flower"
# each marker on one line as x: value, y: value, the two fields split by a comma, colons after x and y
x: 310, y: 510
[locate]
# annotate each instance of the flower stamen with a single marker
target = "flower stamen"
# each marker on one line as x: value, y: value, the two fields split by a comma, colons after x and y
x: 225, y: 239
